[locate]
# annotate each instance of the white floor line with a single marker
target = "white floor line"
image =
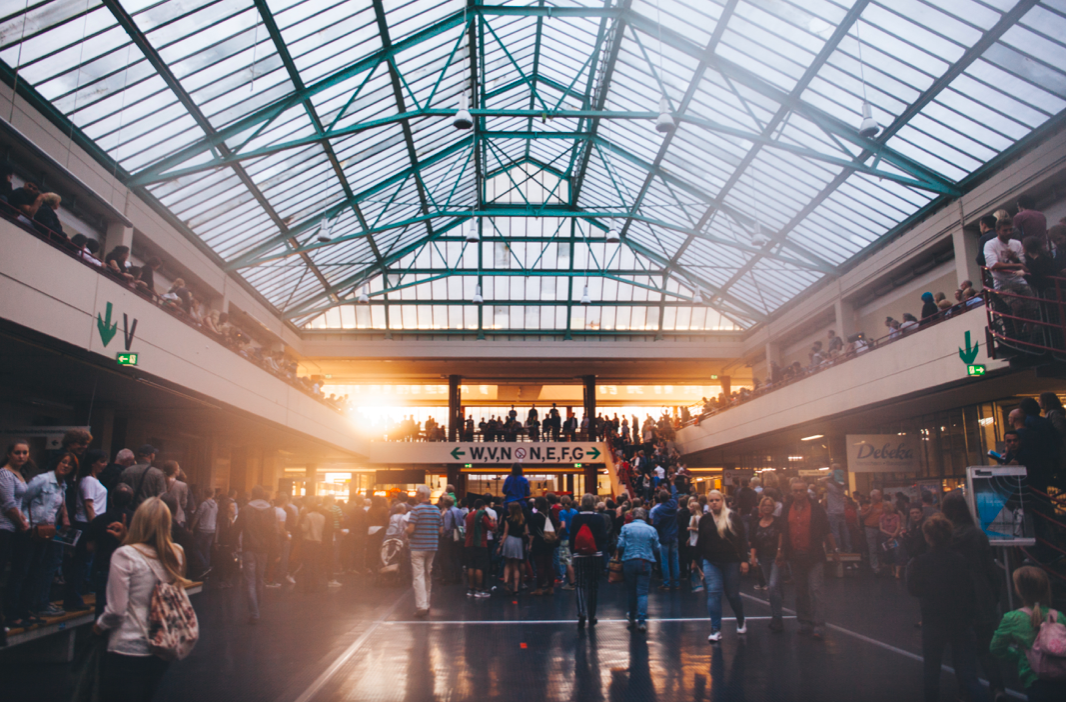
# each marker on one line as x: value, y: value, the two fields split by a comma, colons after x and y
x: 559, y: 621
x: 882, y: 644
x: 320, y: 682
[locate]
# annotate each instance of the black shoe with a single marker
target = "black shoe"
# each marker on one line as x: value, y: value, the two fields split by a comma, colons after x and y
x: 580, y: 622
x: 776, y: 626
x: 592, y: 622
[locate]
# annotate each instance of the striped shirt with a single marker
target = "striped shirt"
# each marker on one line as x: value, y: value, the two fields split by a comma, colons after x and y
x: 427, y: 521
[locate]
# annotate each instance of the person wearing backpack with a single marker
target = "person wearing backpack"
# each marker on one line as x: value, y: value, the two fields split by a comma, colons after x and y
x: 588, y: 542
x: 1034, y: 637
x: 257, y: 522
x: 142, y: 571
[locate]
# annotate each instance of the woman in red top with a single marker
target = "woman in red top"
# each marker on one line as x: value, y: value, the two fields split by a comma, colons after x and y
x: 478, y: 526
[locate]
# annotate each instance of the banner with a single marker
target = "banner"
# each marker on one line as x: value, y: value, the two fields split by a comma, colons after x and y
x: 492, y: 454
x: 884, y: 453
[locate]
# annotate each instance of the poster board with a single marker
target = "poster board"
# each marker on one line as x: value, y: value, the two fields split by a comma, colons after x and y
x: 884, y: 453
x: 998, y: 499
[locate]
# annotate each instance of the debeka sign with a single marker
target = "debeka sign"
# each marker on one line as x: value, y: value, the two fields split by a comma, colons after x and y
x: 884, y: 453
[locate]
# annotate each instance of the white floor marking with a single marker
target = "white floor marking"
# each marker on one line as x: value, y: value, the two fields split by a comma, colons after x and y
x: 320, y: 682
x: 882, y: 644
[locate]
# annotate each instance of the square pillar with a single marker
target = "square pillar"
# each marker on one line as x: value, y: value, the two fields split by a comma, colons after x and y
x: 965, y: 245
x: 118, y: 234
x: 845, y: 318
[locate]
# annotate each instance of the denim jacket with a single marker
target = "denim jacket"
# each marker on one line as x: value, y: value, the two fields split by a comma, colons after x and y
x: 639, y: 540
x: 44, y: 496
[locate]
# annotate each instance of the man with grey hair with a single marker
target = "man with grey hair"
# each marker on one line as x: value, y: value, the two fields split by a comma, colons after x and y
x: 424, y: 528
x: 638, y: 544
x: 123, y: 460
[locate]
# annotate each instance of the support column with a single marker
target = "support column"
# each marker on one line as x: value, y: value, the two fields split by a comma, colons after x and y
x: 454, y: 475
x: 118, y: 234
x: 965, y: 246
x: 591, y: 479
x: 773, y: 355
x: 455, y: 418
x: 727, y: 385
x: 845, y: 318
x: 589, y: 382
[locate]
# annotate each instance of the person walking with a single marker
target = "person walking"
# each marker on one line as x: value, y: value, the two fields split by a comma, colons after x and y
x: 695, y: 510
x: 805, y: 528
x: 723, y: 547
x: 478, y: 527
x: 765, y: 545
x: 14, y: 536
x: 131, y: 672
x: 1018, y: 630
x: 589, y: 539
x: 543, y: 538
x: 424, y: 527
x: 638, y: 547
x: 512, y: 547
x: 664, y: 519
x: 257, y: 522
x: 941, y: 582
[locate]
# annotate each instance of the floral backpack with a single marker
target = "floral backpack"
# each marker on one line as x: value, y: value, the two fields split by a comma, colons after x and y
x: 1047, y: 657
x: 173, y: 629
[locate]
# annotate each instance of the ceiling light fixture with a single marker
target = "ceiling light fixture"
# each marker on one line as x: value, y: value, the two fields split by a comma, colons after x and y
x: 758, y: 239
x: 472, y: 236
x: 323, y: 231
x: 364, y: 297
x: 477, y: 299
x: 869, y: 126
x: 812, y: 438
x: 664, y: 123
x: 612, y: 236
x: 585, y: 299
x: 463, y: 119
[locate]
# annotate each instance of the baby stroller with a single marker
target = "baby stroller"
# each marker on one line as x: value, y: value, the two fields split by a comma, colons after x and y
x: 395, y: 562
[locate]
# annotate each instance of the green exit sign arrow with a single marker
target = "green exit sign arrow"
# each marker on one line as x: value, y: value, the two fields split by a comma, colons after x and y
x: 975, y: 369
x: 126, y: 359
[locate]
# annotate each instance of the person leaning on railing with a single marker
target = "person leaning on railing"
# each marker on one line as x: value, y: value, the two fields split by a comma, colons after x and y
x: 45, y: 218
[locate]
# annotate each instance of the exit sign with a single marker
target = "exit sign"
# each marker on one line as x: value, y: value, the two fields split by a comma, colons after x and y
x: 975, y: 369
x: 126, y: 359
x: 577, y: 465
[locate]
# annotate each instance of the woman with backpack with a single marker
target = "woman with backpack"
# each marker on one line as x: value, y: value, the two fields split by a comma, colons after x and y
x: 588, y: 542
x: 544, y: 537
x: 132, y: 671
x: 1032, y: 636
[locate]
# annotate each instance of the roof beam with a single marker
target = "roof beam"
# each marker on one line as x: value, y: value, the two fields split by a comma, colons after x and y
x: 141, y: 42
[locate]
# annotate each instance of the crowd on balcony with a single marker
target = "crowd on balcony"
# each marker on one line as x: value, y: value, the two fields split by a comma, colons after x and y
x: 37, y: 211
x: 552, y: 426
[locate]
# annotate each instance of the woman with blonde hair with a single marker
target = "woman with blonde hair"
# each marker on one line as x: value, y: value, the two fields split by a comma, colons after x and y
x: 147, y: 557
x: 723, y: 546
x: 1018, y: 629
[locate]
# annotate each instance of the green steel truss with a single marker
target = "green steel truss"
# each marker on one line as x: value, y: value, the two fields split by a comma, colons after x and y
x: 309, y: 144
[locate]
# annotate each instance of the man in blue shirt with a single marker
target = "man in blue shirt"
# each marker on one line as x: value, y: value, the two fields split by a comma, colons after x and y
x: 639, y: 545
x: 424, y: 528
x: 664, y: 519
x: 563, y: 553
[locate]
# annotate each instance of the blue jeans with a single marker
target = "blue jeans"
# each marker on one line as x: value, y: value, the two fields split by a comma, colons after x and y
x: 253, y: 566
x: 719, y: 578
x: 772, y: 572
x: 839, y: 526
x: 671, y: 569
x: 638, y: 579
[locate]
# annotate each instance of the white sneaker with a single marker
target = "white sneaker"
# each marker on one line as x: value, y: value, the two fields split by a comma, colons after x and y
x: 482, y: 595
x: 291, y: 580
x: 273, y: 585
x: 715, y: 636
x: 333, y: 583
x: 471, y: 593
x: 743, y: 628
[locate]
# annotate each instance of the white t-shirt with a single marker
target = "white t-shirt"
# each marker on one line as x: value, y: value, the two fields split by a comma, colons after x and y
x: 491, y: 513
x: 90, y: 489
x: 998, y: 252
x: 660, y: 472
x: 282, y: 515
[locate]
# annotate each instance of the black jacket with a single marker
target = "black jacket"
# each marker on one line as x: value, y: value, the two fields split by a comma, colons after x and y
x: 819, y: 529
x: 596, y: 524
x: 732, y: 548
x: 972, y: 544
x: 941, y: 582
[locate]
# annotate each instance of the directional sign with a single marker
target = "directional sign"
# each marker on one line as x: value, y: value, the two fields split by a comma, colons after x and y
x: 975, y: 369
x: 969, y: 354
x: 126, y: 359
x: 474, y: 454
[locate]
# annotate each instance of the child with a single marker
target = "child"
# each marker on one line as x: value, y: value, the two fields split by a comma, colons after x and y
x: 1018, y: 630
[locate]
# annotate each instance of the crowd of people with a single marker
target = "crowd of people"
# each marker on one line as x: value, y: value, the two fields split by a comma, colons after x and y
x: 36, y: 211
x: 554, y: 425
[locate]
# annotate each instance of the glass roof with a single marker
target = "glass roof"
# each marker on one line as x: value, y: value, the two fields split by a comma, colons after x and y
x: 310, y: 143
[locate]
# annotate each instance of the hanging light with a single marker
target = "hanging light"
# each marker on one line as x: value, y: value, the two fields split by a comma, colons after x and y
x: 364, y: 297
x: 463, y: 119
x: 472, y: 236
x: 869, y: 127
x: 477, y: 299
x: 699, y: 297
x: 758, y: 239
x: 323, y: 232
x: 665, y: 121
x: 585, y: 299
x: 612, y: 236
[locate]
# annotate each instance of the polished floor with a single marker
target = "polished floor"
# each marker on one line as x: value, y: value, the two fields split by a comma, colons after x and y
x: 361, y: 643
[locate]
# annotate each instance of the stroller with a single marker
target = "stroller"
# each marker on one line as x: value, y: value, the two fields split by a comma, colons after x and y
x: 395, y: 563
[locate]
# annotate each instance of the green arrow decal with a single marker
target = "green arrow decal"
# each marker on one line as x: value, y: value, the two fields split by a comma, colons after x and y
x: 970, y: 354
x: 105, y: 327
x: 594, y: 453
x: 456, y: 453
